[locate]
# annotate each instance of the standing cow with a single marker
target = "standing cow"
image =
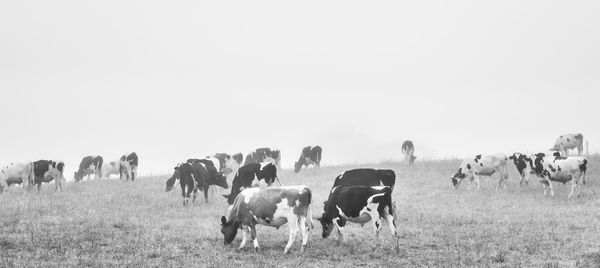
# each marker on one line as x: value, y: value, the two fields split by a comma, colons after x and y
x: 48, y: 170
x: 89, y: 165
x: 560, y: 169
x: 132, y: 160
x: 249, y: 175
x: 16, y: 173
x: 264, y: 154
x: 408, y: 150
x: 569, y: 141
x: 309, y: 156
x: 116, y: 167
x: 212, y: 177
x: 524, y: 166
x: 274, y: 206
x: 486, y: 165
x: 189, y: 176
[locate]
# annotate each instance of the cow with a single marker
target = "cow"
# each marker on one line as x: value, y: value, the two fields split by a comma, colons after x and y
x: 366, y: 177
x: 189, y: 175
x: 16, y: 173
x: 228, y: 163
x: 251, y: 174
x: 116, y: 167
x: 132, y: 159
x: 408, y: 150
x: 212, y: 177
x: 524, y: 166
x: 485, y: 165
x: 273, y: 206
x: 264, y: 154
x: 359, y: 204
x: 560, y: 169
x: 569, y: 141
x: 48, y: 170
x: 309, y: 156
x: 89, y: 165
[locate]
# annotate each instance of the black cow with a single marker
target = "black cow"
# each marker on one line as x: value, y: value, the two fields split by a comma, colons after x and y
x: 366, y: 177
x: 189, y: 176
x: 48, y: 170
x: 247, y: 174
x: 359, y: 204
x: 132, y: 159
x: 309, y: 156
x: 89, y: 165
x: 214, y: 177
x: 261, y: 154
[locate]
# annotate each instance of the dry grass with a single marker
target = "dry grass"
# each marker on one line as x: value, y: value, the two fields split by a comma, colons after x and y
x: 112, y: 223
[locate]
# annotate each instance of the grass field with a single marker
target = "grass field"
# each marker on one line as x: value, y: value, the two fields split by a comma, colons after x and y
x: 114, y: 223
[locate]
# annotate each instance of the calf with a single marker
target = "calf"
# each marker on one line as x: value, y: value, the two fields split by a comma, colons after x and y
x: 132, y: 160
x: 366, y: 177
x: 212, y: 177
x: 524, y: 166
x: 485, y: 165
x: 48, y: 170
x: 16, y: 173
x: 560, y: 169
x: 189, y: 175
x: 408, y: 150
x: 248, y: 174
x: 309, y: 156
x: 264, y: 154
x: 274, y: 206
x: 89, y: 165
x: 569, y: 141
x: 359, y: 204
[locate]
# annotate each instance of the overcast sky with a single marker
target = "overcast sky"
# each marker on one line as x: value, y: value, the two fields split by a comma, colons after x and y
x: 178, y: 79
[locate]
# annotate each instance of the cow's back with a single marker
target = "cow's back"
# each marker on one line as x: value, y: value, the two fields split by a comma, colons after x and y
x: 356, y: 177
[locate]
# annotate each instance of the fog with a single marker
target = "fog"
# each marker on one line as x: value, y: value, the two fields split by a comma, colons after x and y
x: 177, y: 79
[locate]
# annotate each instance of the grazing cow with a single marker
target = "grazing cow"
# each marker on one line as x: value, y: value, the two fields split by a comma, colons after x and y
x: 48, y: 170
x: 189, y: 175
x: 366, y: 177
x: 249, y: 175
x: 264, y: 154
x: 89, y: 165
x: 274, y: 206
x: 309, y: 156
x: 16, y: 173
x: 485, y: 165
x: 524, y: 165
x: 116, y: 167
x: 358, y: 204
x: 211, y: 176
x: 569, y: 141
x: 560, y: 169
x: 132, y: 159
x: 408, y: 150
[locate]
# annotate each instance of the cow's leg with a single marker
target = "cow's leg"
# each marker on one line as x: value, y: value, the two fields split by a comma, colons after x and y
x: 390, y: 220
x: 244, y: 237
x: 254, y: 238
x: 293, y: 225
x: 206, y: 187
x: 339, y: 224
x: 550, y: 187
x: 477, y: 181
x: 183, y: 194
x: 302, y: 224
x: 39, y: 186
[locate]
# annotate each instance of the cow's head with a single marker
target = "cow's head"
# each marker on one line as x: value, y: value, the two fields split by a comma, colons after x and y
x: 327, y: 224
x: 221, y: 180
x: 172, y: 179
x: 229, y: 230
x: 268, y: 172
x: 297, y: 167
x: 458, y: 177
x: 78, y: 176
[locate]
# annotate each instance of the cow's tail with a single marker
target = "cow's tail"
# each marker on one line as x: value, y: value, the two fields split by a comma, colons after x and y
x: 583, y: 168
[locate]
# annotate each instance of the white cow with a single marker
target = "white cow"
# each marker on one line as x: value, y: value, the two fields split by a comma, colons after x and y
x: 560, y: 169
x: 16, y: 173
x: 485, y: 165
x: 114, y: 167
x: 569, y: 141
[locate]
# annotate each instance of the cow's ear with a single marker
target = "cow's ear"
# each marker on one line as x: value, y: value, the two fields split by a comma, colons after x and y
x: 223, y: 220
x: 226, y: 195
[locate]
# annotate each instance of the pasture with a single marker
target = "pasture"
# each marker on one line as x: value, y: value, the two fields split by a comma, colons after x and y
x: 114, y: 223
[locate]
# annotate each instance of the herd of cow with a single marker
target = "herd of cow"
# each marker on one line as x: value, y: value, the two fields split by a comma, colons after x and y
x: 359, y: 195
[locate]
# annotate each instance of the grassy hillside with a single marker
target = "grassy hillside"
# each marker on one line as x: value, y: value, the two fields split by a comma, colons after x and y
x: 103, y: 223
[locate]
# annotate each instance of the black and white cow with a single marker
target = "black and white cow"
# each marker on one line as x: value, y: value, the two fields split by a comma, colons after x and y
x: 486, y: 165
x: 273, y: 206
x: 560, y: 169
x: 359, y: 204
x: 524, y: 166
x: 309, y: 156
x: 408, y: 150
x: 48, y: 170
x: 249, y: 175
x: 189, y: 176
x: 16, y: 173
x: 214, y: 177
x: 366, y: 177
x: 569, y: 141
x: 264, y: 154
x: 132, y: 159
x: 89, y: 165
x: 116, y: 167
x: 228, y: 163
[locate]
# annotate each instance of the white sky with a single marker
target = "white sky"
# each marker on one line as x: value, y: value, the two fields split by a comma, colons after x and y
x: 178, y: 79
